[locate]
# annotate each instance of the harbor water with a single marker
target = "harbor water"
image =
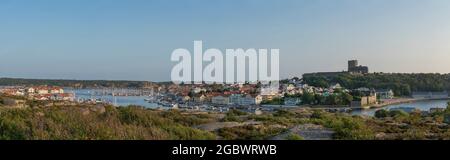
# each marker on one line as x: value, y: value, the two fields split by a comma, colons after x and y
x: 120, y: 100
x: 425, y: 105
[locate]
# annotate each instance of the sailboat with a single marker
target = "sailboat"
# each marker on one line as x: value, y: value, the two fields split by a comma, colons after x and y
x: 151, y: 98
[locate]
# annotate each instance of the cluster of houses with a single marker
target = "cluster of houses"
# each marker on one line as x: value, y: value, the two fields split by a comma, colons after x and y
x: 224, y: 98
x: 295, y: 88
x: 39, y: 92
x: 217, y: 95
x: 289, y: 93
x: 369, y: 97
x: 237, y: 99
x: 249, y: 94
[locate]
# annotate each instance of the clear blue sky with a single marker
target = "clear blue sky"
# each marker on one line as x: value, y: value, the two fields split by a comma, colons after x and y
x: 133, y: 39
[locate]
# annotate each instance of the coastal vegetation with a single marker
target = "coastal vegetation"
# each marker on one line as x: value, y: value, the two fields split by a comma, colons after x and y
x: 392, y: 125
x: 39, y: 121
x: 234, y: 116
x: 337, y: 98
x: 91, y: 123
x: 294, y: 137
x: 307, y: 98
x: 250, y: 132
x: 73, y: 83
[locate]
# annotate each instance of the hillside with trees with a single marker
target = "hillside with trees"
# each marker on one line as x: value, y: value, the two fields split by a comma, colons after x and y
x: 73, y: 83
x: 401, y: 83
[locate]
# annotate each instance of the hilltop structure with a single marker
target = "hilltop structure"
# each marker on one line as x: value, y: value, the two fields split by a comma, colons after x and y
x: 353, y: 68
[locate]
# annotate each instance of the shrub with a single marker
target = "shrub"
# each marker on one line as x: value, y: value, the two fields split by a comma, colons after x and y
x: 345, y: 127
x: 283, y: 113
x: 79, y: 123
x: 249, y: 132
x: 293, y: 136
x: 398, y: 114
x: 382, y: 113
x: 235, y: 112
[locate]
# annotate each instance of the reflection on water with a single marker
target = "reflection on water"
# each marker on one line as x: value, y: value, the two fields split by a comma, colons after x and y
x: 116, y: 100
x: 422, y: 105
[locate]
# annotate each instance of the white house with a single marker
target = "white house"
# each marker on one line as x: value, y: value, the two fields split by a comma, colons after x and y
x: 55, y: 90
x: 63, y: 97
x: 336, y: 86
x: 258, y: 99
x: 201, y: 99
x: 45, y: 90
x: 290, y: 87
x: 186, y: 98
x: 30, y: 90
x: 42, y: 91
x: 385, y: 93
x: 198, y: 90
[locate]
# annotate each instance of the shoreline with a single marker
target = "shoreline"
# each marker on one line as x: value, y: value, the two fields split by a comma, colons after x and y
x: 375, y: 106
x: 405, y: 101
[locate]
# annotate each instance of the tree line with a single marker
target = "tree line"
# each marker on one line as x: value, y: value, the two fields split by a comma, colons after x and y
x: 402, y: 84
x: 73, y: 83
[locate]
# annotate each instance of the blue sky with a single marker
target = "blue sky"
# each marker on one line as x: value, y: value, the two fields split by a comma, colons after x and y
x: 133, y: 39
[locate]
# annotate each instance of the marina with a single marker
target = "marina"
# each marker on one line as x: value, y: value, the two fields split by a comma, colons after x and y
x: 147, y: 99
x: 159, y: 101
x: 119, y: 98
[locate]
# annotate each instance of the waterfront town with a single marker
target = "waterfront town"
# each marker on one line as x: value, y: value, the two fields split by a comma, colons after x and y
x: 225, y: 70
x: 294, y: 92
x: 318, y: 106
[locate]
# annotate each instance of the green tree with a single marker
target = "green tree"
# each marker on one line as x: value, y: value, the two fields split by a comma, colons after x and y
x: 320, y: 99
x: 317, y: 81
x: 346, y: 98
x: 332, y: 99
x: 401, y: 84
x: 308, y: 98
